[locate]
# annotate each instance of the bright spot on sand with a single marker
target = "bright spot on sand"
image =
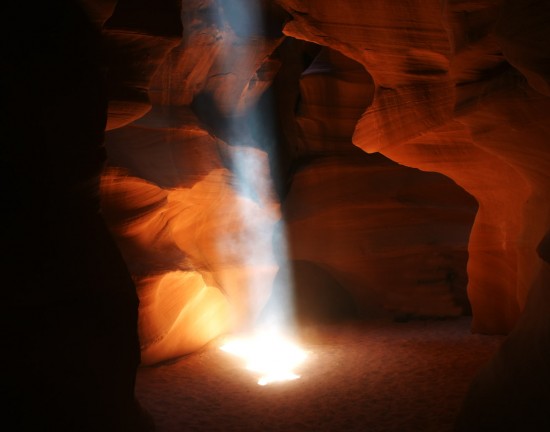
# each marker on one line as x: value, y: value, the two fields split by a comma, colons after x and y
x: 271, y: 355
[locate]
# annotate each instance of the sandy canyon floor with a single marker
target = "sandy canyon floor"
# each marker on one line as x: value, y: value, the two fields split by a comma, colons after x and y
x: 373, y: 376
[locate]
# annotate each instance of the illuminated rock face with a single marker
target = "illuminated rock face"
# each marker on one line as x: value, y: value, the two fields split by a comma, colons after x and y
x: 395, y: 238
x: 457, y: 88
x: 446, y: 100
x: 461, y: 88
x: 433, y: 95
x: 190, y: 201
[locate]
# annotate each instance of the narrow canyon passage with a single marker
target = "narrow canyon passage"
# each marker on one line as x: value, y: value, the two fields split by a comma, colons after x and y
x: 176, y: 171
x: 371, y: 376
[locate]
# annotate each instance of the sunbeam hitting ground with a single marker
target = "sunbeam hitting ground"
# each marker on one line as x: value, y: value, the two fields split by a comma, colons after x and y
x: 270, y: 355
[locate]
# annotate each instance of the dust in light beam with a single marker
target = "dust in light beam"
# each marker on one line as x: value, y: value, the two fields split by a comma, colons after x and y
x: 266, y: 351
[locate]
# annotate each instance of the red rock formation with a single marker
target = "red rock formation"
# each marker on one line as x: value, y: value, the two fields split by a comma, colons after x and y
x: 461, y: 89
x: 137, y: 36
x: 193, y: 218
x: 221, y: 63
x: 447, y: 101
x: 395, y: 238
x: 195, y: 225
x: 185, y: 248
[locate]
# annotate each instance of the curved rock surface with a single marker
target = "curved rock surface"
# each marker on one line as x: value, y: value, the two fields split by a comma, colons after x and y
x: 220, y: 212
x: 137, y: 36
x: 447, y: 100
x: 394, y: 237
x: 461, y: 89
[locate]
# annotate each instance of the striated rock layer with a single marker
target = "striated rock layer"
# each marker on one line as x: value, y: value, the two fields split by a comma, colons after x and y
x: 395, y: 238
x: 461, y: 89
x: 136, y: 36
x: 446, y: 100
x: 189, y: 198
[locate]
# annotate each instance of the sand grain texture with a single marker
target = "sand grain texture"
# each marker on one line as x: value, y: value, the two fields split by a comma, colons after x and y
x: 380, y: 376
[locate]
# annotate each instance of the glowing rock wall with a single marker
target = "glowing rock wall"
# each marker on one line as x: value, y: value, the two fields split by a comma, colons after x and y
x: 447, y: 100
x: 194, y: 213
x: 461, y: 88
x: 395, y: 238
x: 189, y: 193
x: 458, y: 88
x: 436, y: 94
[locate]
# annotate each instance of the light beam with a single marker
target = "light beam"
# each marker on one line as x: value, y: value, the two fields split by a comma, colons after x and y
x: 268, y: 353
